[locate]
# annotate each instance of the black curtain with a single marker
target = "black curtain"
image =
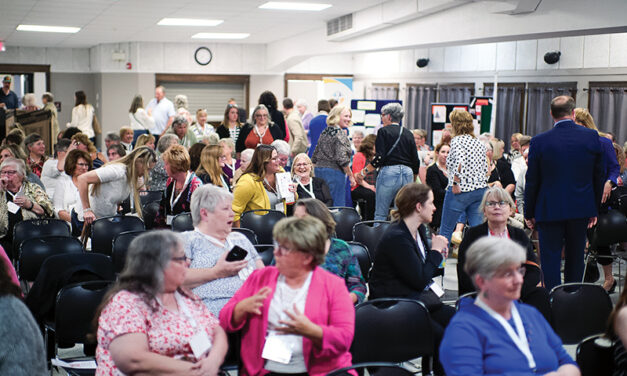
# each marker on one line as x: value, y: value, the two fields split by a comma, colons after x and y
x: 608, y: 106
x: 418, y: 107
x: 508, y: 110
x: 539, y: 98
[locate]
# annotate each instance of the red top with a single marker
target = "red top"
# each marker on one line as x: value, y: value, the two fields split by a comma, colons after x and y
x: 252, y: 140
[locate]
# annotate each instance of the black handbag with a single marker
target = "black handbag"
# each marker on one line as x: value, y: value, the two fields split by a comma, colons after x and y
x: 592, y: 270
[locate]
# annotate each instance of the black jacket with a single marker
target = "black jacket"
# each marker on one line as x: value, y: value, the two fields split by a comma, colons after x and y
x: 405, y: 152
x: 398, y: 269
x: 438, y: 183
x: 320, y: 190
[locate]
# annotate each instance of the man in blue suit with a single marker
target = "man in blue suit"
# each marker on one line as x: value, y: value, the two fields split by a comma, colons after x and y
x: 564, y: 184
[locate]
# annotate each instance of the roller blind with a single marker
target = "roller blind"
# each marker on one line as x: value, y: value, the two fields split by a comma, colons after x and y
x: 207, y: 95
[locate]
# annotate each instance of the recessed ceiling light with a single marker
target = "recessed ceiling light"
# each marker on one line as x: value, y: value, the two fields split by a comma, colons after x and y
x: 48, y: 29
x: 294, y: 6
x: 188, y: 22
x: 220, y: 36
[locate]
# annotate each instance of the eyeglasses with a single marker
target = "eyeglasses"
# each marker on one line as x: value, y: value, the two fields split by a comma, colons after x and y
x: 181, y: 259
x: 83, y: 164
x: 261, y: 115
x: 301, y: 165
x: 511, y: 273
x: 8, y: 172
x: 491, y: 204
x: 281, y: 250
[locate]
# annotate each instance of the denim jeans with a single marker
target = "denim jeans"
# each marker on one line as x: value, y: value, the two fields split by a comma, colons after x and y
x: 389, y: 180
x: 455, y: 205
x: 336, y: 180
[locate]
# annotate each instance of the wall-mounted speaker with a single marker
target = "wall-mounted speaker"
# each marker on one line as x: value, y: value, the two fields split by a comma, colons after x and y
x: 552, y: 57
x: 421, y: 63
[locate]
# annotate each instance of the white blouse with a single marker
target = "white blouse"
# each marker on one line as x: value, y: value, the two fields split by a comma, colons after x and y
x: 83, y: 118
x: 65, y: 195
x: 141, y: 121
x: 470, y: 154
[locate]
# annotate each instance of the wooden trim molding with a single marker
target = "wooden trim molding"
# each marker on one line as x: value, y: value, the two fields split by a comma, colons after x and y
x: 26, y: 69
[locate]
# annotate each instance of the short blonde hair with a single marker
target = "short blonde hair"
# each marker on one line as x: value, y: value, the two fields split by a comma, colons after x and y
x: 334, y: 115
x: 304, y: 157
x: 177, y: 157
x: 307, y: 235
x: 583, y: 117
x: 125, y: 130
x: 227, y: 142
x: 461, y: 121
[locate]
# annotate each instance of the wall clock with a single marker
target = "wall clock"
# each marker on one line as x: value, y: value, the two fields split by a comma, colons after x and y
x: 203, y: 55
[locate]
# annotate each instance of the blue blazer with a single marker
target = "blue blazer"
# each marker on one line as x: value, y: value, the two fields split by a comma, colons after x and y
x: 565, y: 174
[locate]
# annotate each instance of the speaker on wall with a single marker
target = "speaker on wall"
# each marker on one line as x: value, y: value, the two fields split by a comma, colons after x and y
x: 552, y: 57
x: 421, y: 63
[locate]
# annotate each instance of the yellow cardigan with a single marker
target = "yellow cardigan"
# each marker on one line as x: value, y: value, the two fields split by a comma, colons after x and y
x: 250, y: 194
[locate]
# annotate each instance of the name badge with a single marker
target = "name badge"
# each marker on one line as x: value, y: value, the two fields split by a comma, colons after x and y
x: 13, y: 208
x: 276, y: 349
x: 279, y: 206
x: 168, y: 220
x: 244, y: 273
x: 436, y: 288
x: 200, y: 344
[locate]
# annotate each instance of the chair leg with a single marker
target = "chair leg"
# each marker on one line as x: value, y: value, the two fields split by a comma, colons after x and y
x: 585, y: 267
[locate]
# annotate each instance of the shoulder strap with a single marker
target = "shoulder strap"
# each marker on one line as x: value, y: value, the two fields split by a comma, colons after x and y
x: 400, y: 132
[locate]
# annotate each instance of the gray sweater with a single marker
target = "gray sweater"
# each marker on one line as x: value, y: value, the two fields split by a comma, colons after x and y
x: 21, y: 343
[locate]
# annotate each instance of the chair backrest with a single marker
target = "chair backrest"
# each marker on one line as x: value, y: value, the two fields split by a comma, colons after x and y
x: 35, y: 228
x: 103, y: 231
x: 391, y: 330
x: 374, y: 369
x: 472, y: 295
x: 33, y: 252
x: 570, y: 320
x: 250, y: 234
x: 182, y: 222
x: 261, y: 221
x: 363, y: 257
x: 266, y: 252
x: 120, y: 246
x: 146, y: 197
x: 345, y: 218
x: 365, y: 232
x: 149, y: 212
x: 75, y: 309
x: 595, y: 356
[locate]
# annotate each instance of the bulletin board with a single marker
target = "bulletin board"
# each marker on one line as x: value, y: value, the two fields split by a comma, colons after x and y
x: 367, y: 113
x: 439, y: 118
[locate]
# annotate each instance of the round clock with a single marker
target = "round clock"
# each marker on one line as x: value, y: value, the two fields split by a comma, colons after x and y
x: 203, y: 55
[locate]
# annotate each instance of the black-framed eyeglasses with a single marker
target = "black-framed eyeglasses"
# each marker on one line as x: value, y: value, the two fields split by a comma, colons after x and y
x: 181, y: 259
x: 501, y: 203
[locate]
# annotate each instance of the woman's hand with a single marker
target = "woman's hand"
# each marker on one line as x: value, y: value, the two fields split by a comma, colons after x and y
x: 351, y: 178
x: 23, y: 202
x: 456, y: 189
x: 607, y: 190
x: 439, y: 243
x: 89, y: 217
x: 300, y: 324
x: 207, y: 367
x: 250, y: 305
x: 292, y: 187
x: 225, y: 268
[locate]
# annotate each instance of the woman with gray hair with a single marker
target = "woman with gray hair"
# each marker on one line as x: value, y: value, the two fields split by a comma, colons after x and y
x: 158, y: 175
x: 19, y: 200
x: 214, y: 279
x: 494, y: 334
x: 260, y: 131
x: 149, y: 324
x: 180, y: 127
x: 396, y: 158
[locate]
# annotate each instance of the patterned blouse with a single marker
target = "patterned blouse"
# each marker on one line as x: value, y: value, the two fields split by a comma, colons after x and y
x: 158, y: 176
x: 36, y: 167
x: 343, y: 263
x: 333, y: 149
x: 181, y: 205
x: 205, y: 254
x: 470, y: 154
x: 168, y: 332
x: 33, y: 192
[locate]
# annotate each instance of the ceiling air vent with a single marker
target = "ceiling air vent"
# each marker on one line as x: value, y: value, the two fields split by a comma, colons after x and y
x: 340, y: 24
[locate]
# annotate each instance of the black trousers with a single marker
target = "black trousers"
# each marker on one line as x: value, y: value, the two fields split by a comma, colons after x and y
x: 367, y: 205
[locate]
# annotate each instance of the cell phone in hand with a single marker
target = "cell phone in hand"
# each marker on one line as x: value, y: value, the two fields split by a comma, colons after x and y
x: 236, y: 253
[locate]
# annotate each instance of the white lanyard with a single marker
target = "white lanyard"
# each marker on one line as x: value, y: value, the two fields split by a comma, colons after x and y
x: 215, y: 241
x: 173, y: 200
x: 16, y: 193
x: 225, y: 185
x: 309, y: 191
x: 259, y: 134
x: 231, y: 166
x: 421, y: 246
x: 520, y: 338
x: 185, y: 310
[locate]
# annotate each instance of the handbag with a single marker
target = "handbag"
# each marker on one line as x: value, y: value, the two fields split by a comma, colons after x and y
x: 592, y: 271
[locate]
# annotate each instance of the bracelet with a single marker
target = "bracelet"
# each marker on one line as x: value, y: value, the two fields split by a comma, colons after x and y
x: 87, y: 210
x: 32, y: 204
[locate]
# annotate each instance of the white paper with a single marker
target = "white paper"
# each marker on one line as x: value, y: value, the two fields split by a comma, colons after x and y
x: 13, y: 208
x: 200, y: 344
x: 81, y: 364
x: 283, y: 183
x: 436, y: 288
x: 358, y: 116
x: 372, y: 120
x: 439, y: 114
x: 367, y: 105
x: 436, y: 137
x: 276, y: 349
x: 279, y: 206
x: 168, y: 219
x: 244, y: 273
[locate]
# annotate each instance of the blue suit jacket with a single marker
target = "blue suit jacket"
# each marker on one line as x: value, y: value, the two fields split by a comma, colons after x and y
x: 565, y: 174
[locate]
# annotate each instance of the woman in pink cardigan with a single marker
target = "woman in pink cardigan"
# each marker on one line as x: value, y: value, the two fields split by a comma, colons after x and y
x: 296, y: 318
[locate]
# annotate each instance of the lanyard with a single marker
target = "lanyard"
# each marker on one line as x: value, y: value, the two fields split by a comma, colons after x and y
x: 215, y: 241
x: 421, y: 246
x: 225, y: 185
x: 520, y: 338
x: 183, y: 308
x: 259, y: 134
x: 16, y: 193
x: 173, y: 200
x: 309, y: 191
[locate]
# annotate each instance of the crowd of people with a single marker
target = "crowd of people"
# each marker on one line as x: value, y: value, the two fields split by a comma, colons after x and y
x: 179, y: 294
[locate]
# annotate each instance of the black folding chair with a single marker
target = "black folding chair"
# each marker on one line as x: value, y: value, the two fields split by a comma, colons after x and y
x: 250, y: 234
x: 146, y: 197
x: 374, y: 369
x: 120, y: 247
x: 266, y: 252
x: 345, y: 218
x: 149, y: 213
x: 595, y: 356
x: 472, y: 295
x: 363, y: 256
x: 103, y: 231
x: 579, y: 310
x: 36, y: 228
x: 182, y: 222
x: 33, y: 252
x: 365, y: 233
x: 261, y: 222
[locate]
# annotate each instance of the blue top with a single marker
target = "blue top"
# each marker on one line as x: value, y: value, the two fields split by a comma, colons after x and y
x: 316, y: 126
x: 161, y: 112
x: 10, y: 100
x: 476, y: 344
x: 612, y: 168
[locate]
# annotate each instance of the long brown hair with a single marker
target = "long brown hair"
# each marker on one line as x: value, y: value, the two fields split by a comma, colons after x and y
x: 210, y: 163
x: 261, y: 157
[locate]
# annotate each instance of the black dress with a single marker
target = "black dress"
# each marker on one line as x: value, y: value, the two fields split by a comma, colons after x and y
x: 438, y: 183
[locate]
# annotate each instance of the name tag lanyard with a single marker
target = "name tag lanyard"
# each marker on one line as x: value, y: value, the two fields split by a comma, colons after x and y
x: 309, y: 191
x: 16, y: 193
x: 173, y: 200
x: 520, y: 338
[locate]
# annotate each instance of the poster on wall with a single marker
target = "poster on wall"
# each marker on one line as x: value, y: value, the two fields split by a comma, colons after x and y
x: 339, y: 88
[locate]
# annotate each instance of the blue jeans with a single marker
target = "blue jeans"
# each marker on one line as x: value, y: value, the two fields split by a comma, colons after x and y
x: 336, y: 180
x: 389, y: 180
x: 456, y: 205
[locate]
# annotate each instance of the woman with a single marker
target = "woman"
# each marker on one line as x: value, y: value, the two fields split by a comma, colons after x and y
x: 611, y: 173
x: 308, y: 184
x: 83, y: 116
x: 365, y: 192
x: 194, y: 156
x: 230, y: 126
x: 420, y: 138
x: 467, y: 175
x: 295, y: 305
x: 145, y: 140
x: 158, y: 175
x: 126, y: 138
x: 230, y: 163
x: 260, y: 131
x: 244, y: 160
x: 212, y: 278
x: 36, y: 150
x: 112, y: 184
x: 179, y: 187
x: 257, y: 188
x: 496, y: 206
x: 499, y: 170
x: 437, y: 180
x: 496, y: 335
x: 210, y: 169
x: 357, y: 139
x: 180, y: 129
x: 115, y: 152
x: 12, y: 151
x: 200, y: 127
x: 19, y: 200
x: 148, y: 323
x: 141, y: 121
x: 333, y: 153
x: 404, y: 266
x: 268, y: 99
x: 81, y: 142
x: 66, y: 198
x: 29, y: 102
x: 48, y: 101
x: 338, y: 259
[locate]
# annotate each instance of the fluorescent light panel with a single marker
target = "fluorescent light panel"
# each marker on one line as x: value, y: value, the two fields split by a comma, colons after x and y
x: 48, y: 29
x: 294, y: 6
x: 220, y: 36
x: 188, y: 22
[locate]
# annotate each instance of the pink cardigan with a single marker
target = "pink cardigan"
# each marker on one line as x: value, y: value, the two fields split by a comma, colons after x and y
x: 328, y: 305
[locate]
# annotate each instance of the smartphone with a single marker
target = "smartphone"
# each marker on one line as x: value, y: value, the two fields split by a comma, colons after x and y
x: 236, y: 253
